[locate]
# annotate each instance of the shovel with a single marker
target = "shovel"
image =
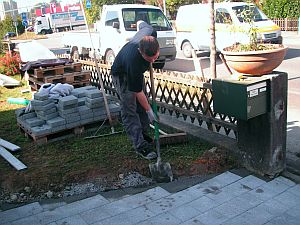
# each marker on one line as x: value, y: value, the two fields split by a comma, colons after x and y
x: 160, y: 171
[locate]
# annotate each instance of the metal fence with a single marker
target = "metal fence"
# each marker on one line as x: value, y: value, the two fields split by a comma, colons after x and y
x: 287, y: 24
x: 184, y: 96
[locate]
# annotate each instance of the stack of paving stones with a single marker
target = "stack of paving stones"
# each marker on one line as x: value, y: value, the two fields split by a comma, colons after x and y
x: 84, y: 106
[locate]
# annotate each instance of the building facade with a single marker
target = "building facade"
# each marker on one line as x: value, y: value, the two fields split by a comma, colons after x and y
x: 8, y: 8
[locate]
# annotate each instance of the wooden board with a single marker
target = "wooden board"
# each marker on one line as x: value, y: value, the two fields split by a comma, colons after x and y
x: 11, y: 159
x: 9, y: 146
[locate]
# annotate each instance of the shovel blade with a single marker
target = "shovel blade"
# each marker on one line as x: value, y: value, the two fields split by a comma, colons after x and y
x: 161, y: 172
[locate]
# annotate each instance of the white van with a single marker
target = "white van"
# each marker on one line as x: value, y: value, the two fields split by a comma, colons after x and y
x: 117, y: 26
x: 193, y: 23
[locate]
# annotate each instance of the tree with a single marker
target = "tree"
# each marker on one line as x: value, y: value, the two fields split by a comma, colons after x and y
x: 7, y: 25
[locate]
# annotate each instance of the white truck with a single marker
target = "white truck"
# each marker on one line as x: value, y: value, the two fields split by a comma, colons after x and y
x: 58, y: 22
x: 117, y: 26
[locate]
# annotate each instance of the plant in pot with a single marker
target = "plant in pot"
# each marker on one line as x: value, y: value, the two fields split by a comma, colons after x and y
x: 254, y: 57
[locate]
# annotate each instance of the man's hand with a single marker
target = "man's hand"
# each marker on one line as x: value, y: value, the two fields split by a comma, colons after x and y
x: 152, y: 117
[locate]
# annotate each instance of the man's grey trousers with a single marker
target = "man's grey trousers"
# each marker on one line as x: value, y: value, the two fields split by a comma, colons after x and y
x: 133, y: 115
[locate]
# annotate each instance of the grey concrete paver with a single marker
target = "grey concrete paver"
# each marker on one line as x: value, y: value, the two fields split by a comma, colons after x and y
x: 252, y: 181
x: 295, y: 190
x: 184, y: 212
x: 17, y: 213
x: 284, y: 219
x: 285, y: 181
x: 130, y: 217
x: 221, y: 180
x: 227, y: 199
x: 288, y: 199
x: 211, y: 217
x: 203, y: 204
x: 164, y: 218
x: 95, y: 215
x: 72, y: 220
x: 169, y: 202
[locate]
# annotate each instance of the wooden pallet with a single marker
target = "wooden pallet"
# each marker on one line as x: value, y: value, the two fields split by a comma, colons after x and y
x: 77, y: 79
x: 62, y: 134
x: 42, y: 72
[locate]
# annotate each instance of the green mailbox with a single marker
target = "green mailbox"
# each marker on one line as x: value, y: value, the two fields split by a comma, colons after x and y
x: 243, y: 99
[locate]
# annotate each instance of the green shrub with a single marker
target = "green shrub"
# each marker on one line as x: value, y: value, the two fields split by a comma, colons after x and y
x: 9, y: 64
x: 281, y: 8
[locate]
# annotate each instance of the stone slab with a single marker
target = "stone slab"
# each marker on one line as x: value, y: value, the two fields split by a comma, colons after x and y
x: 40, y: 96
x: 43, y: 113
x: 56, y: 122
x: 67, y: 100
x: 49, y: 116
x: 44, y: 107
x: 93, y: 93
x: 34, y: 122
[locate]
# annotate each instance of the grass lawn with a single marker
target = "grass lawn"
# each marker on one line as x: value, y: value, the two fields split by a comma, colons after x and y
x: 75, y: 159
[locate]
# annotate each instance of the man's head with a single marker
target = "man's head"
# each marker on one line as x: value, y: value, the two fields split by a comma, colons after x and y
x: 149, y: 48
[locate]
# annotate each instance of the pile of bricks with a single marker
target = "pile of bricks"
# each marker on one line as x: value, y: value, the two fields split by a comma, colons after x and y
x: 84, y: 106
x: 69, y: 74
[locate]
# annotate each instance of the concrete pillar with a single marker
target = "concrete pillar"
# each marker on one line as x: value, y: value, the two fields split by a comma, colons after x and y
x: 262, y: 139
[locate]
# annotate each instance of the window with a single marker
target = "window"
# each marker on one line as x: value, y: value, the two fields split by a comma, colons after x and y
x: 111, y: 17
x: 153, y: 17
x: 223, y: 16
x: 249, y: 11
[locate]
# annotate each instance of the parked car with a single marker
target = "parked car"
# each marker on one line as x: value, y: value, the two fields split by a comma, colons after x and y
x: 9, y: 35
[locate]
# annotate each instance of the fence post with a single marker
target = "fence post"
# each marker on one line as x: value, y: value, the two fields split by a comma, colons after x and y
x: 285, y: 24
x: 298, y: 25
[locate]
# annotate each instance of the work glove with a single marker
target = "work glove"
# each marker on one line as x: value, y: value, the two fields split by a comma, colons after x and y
x: 152, y: 117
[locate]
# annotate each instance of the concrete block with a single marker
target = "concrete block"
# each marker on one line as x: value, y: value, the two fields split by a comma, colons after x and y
x: 72, y: 125
x: 66, y: 107
x: 78, y: 92
x: 94, y: 105
x: 45, y: 107
x: 93, y: 93
x: 84, y: 109
x: 33, y: 122
x: 28, y: 115
x: 43, y: 113
x: 86, y: 116
x: 95, y: 100
x: 86, y: 121
x: 49, y: 116
x: 40, y: 96
x: 100, y: 118
x: 41, y: 103
x: 99, y: 112
x: 72, y: 119
x: 69, y: 113
x: 19, y: 112
x: 67, y: 100
x: 81, y: 101
x: 58, y: 128
x: 114, y: 107
x: 56, y: 122
x: 41, y: 130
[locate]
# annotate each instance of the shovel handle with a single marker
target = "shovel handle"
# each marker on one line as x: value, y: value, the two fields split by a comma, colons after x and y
x: 154, y: 108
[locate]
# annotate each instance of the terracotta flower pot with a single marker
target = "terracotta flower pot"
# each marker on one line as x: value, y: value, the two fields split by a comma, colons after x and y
x: 255, y: 62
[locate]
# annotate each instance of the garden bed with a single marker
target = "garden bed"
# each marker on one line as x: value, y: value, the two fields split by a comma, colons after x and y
x: 59, y: 168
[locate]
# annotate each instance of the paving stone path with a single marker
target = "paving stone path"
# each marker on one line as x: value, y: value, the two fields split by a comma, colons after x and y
x: 226, y: 199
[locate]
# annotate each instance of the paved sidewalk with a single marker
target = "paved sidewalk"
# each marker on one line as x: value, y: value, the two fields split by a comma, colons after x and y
x: 227, y: 199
